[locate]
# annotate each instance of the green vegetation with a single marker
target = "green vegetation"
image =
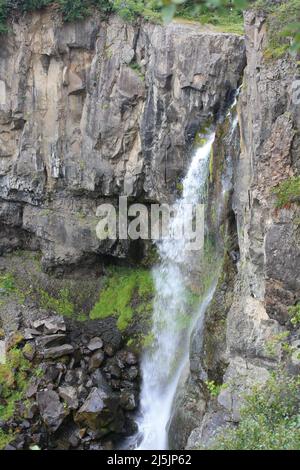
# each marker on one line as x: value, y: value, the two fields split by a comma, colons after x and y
x: 73, y: 10
x: 287, y: 192
x: 127, y: 292
x: 137, y: 69
x: 62, y: 304
x: 283, y: 23
x: 7, y: 284
x: 224, y: 18
x: 275, y: 342
x: 294, y: 311
x: 13, y: 381
x: 225, y: 15
x: 213, y: 388
x: 269, y: 418
x: 5, y: 439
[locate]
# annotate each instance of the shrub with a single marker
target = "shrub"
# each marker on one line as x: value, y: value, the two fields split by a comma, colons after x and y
x: 270, y: 418
x: 294, y: 311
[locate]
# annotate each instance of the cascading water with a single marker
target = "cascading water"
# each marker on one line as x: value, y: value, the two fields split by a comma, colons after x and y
x: 163, y: 364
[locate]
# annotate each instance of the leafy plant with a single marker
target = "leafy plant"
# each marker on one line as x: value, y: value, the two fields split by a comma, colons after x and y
x: 270, y: 418
x: 213, y: 388
x: 62, y: 304
x: 294, y: 311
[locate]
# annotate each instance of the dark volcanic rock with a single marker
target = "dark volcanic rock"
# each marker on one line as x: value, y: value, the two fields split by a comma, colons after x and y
x: 96, y: 360
x: 58, y: 351
x: 94, y: 344
x: 100, y: 412
x: 51, y: 409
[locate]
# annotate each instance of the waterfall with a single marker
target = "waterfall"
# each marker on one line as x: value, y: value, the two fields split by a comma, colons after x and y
x: 162, y: 364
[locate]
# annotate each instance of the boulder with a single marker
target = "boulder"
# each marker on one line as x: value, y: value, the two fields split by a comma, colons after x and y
x: 95, y: 344
x: 96, y: 360
x: 50, y: 325
x: 51, y: 409
x: 131, y: 358
x: 58, y: 351
x: 69, y: 395
x: 128, y: 401
x: 50, y: 340
x: 100, y: 412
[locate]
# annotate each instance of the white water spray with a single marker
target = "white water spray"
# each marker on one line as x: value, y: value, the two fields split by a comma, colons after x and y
x: 163, y: 364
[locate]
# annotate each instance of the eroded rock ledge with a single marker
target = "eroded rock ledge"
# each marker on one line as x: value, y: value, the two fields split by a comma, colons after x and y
x: 96, y: 109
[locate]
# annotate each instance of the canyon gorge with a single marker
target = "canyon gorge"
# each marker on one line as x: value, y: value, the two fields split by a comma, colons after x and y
x: 101, y: 108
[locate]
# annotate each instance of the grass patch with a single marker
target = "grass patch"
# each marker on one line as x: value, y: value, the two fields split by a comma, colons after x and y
x: 226, y: 20
x: 287, y: 192
x: 7, y: 284
x: 126, y: 292
x: 13, y: 381
x: 60, y: 304
x: 5, y: 438
x: 269, y: 418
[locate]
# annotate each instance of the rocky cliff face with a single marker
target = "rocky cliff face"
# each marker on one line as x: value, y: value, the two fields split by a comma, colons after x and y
x: 250, y: 308
x: 98, y: 109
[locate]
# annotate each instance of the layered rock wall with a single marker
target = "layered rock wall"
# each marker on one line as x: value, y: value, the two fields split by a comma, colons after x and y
x: 97, y: 109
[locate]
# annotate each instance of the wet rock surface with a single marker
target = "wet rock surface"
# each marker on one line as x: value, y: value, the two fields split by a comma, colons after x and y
x: 240, y: 343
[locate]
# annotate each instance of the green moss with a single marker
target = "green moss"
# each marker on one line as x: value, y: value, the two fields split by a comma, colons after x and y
x: 287, y: 192
x: 13, y: 381
x: 60, y: 304
x: 137, y: 69
x: 126, y: 292
x: 5, y: 438
x: 7, y: 284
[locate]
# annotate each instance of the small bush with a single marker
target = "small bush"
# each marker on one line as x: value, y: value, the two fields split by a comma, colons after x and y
x: 270, y: 418
x: 295, y: 314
